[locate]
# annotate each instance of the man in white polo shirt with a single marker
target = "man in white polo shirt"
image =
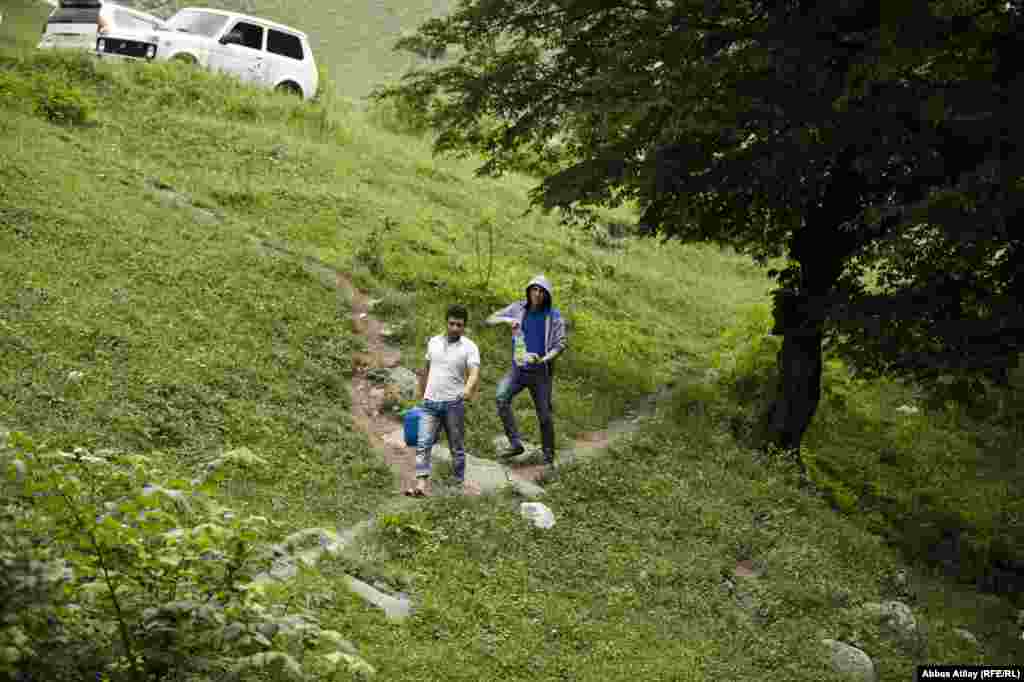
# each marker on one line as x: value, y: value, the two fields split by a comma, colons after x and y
x: 444, y: 387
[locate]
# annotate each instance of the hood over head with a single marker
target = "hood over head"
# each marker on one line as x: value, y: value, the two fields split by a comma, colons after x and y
x: 542, y: 282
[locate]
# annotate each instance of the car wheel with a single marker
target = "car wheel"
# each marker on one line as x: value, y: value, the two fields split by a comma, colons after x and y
x: 289, y: 88
x: 184, y: 59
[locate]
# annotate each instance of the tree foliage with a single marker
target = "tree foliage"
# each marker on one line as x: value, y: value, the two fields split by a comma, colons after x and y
x: 859, y: 139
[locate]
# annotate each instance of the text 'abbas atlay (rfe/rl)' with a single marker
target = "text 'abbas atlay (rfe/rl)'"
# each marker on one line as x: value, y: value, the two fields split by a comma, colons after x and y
x: 969, y: 672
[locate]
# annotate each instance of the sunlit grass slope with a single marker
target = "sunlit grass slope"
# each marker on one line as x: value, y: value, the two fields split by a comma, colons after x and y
x: 139, y: 312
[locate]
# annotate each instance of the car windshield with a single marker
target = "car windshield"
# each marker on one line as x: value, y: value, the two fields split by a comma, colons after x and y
x: 196, y: 21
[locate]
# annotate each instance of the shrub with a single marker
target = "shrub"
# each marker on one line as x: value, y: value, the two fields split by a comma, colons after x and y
x: 114, y: 574
x: 60, y: 102
x: 51, y: 95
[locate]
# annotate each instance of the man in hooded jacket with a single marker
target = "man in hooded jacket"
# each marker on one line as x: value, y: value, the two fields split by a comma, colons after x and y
x: 544, y: 331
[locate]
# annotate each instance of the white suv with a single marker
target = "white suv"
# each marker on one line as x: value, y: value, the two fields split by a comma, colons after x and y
x: 73, y: 25
x: 256, y: 50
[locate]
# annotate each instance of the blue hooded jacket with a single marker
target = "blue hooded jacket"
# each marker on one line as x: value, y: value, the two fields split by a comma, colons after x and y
x: 555, y: 341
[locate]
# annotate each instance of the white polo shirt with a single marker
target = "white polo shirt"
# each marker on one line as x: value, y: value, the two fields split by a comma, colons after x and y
x: 449, y: 365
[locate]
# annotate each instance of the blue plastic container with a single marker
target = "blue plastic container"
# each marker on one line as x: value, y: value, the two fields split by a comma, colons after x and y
x: 411, y: 421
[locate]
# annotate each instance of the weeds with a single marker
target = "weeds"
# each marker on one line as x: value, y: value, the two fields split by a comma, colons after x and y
x: 370, y: 254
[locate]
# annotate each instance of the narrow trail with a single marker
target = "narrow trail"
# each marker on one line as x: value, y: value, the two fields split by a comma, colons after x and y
x: 383, y: 428
x: 367, y: 399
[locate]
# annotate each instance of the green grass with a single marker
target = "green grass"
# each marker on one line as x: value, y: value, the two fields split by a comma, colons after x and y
x: 129, y: 253
x: 630, y: 581
x: 22, y: 24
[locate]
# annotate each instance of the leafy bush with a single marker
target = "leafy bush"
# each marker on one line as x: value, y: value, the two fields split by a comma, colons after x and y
x: 112, y: 575
x: 60, y: 102
x: 52, y: 95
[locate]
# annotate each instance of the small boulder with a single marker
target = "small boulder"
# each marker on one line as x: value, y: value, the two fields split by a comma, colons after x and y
x: 907, y: 410
x: 894, y: 616
x: 850, y: 661
x: 967, y: 635
x: 391, y: 332
x: 379, y: 375
x: 538, y: 513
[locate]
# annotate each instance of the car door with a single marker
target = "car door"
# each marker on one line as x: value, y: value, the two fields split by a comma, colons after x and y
x: 240, y: 52
x: 285, y: 59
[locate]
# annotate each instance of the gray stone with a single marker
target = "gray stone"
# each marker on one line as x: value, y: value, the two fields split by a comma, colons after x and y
x: 268, y: 630
x: 539, y: 514
x: 894, y: 616
x: 322, y: 538
x: 284, y: 570
x: 967, y: 635
x: 850, y: 661
x: 390, y: 331
x: 394, y: 608
x: 379, y: 375
x: 525, y: 488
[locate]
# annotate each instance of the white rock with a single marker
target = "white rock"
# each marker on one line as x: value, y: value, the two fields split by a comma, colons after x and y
x: 538, y: 513
x: 968, y: 635
x: 907, y: 409
x: 850, y: 661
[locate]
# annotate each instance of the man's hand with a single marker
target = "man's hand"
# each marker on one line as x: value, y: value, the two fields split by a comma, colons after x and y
x: 515, y: 325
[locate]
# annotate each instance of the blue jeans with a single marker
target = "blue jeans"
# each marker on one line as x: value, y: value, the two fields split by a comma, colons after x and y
x: 451, y: 414
x: 538, y: 381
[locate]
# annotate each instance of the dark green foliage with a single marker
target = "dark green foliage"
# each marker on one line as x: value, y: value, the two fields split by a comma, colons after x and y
x: 851, y: 140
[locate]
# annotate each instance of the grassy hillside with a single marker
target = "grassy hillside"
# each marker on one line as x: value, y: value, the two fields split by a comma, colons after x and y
x: 22, y: 23
x: 139, y: 313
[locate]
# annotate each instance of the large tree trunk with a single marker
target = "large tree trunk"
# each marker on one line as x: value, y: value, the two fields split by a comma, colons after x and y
x: 799, y: 388
x: 799, y: 371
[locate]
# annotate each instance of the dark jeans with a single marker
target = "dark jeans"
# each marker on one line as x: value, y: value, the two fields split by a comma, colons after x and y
x: 451, y: 414
x: 538, y: 380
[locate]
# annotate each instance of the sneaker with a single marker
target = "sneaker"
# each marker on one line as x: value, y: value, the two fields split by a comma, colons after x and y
x: 514, y: 450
